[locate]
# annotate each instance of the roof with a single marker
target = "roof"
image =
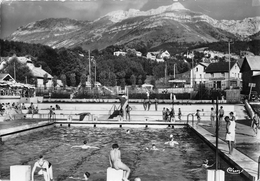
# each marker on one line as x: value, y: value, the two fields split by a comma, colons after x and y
x: 3, y: 77
x: 204, y: 64
x: 219, y: 67
x: 240, y: 62
x: 39, y: 72
x: 253, y: 62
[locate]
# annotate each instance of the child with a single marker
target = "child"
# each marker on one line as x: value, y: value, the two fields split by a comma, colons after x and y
x: 198, y: 116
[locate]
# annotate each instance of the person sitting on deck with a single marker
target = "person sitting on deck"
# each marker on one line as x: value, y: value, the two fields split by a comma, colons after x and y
x: 116, y: 163
x: 85, y: 146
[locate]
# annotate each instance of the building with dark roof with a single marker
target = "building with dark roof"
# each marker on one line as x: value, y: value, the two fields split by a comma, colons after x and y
x: 250, y: 71
x: 220, y: 75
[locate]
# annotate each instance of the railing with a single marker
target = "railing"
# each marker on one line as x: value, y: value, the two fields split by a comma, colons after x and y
x: 190, y: 114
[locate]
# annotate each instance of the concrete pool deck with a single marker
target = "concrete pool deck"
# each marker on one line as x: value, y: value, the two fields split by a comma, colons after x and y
x: 246, y: 160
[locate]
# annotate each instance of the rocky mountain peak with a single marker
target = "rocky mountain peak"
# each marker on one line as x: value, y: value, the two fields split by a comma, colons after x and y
x: 117, y: 16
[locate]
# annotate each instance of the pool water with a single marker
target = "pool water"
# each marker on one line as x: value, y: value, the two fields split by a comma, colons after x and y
x: 180, y: 163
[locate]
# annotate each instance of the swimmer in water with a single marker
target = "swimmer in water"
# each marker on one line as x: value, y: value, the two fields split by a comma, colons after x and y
x: 116, y: 163
x: 45, y: 169
x: 172, y: 142
x: 84, y: 146
x: 205, y: 165
x: 153, y: 148
x: 85, y: 175
x: 128, y: 131
x: 137, y: 179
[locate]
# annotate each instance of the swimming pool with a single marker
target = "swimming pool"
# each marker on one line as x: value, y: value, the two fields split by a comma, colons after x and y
x: 176, y: 164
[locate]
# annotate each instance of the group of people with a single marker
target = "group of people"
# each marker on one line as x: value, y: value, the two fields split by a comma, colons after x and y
x: 44, y: 167
x: 169, y: 115
x: 10, y: 110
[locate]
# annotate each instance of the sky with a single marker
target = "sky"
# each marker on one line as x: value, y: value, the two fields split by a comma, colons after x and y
x: 16, y: 13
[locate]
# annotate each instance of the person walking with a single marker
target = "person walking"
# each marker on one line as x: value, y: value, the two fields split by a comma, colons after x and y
x: 149, y: 104
x: 164, y: 114
x: 221, y: 116
x: 144, y: 104
x: 128, y: 110
x: 172, y: 115
x: 212, y: 116
x: 197, y: 114
x: 156, y: 104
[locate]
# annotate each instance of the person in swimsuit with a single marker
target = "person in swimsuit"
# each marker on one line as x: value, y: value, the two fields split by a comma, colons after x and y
x: 45, y: 169
x: 84, y: 146
x: 116, y: 163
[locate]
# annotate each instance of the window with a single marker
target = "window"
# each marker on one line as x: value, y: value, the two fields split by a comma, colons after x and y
x: 200, y: 76
x: 223, y: 74
x: 197, y: 69
x: 212, y: 75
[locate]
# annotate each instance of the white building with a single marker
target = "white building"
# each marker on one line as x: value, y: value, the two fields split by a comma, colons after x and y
x: 198, y: 74
x: 217, y: 75
x: 158, y: 56
x: 117, y: 53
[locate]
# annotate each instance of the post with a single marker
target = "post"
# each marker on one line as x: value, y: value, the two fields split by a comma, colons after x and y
x: 258, y: 173
x: 165, y: 72
x: 217, y: 128
x: 89, y: 67
x: 251, y: 85
x: 229, y: 64
x: 192, y: 69
x: 95, y: 73
x: 174, y: 66
x: 14, y: 71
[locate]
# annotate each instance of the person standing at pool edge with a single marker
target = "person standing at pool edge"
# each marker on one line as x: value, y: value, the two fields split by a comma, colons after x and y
x: 116, y: 163
x: 231, y: 132
x: 45, y: 169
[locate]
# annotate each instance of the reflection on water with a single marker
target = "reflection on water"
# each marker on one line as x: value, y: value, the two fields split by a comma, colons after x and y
x: 176, y: 164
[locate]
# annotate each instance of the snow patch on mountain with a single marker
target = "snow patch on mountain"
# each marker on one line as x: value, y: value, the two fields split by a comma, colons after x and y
x: 117, y: 16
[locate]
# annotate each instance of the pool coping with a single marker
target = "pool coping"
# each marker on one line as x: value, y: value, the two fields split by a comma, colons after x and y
x: 238, y: 159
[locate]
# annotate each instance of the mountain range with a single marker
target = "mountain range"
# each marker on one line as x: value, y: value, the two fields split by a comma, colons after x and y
x: 136, y: 29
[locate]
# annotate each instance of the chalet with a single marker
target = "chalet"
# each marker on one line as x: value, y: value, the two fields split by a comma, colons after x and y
x: 250, y: 71
x: 6, y: 77
x: 218, y: 75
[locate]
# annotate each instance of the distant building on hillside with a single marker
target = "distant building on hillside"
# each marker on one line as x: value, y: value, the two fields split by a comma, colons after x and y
x: 158, y: 56
x: 117, y: 53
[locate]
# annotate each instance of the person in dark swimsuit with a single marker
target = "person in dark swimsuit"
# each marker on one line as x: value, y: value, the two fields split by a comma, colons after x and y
x: 45, y: 169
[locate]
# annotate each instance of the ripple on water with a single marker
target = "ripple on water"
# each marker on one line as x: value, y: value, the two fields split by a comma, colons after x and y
x: 55, y: 144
